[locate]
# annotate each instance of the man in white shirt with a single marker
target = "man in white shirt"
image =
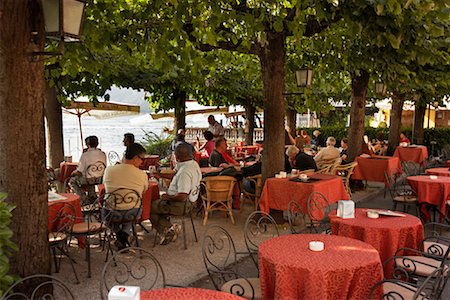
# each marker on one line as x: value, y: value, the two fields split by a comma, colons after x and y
x: 328, y: 154
x: 124, y: 185
x: 215, y: 127
x: 184, y: 187
x: 89, y: 171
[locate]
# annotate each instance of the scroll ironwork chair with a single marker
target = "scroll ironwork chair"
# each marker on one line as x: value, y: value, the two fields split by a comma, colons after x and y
x: 256, y: 180
x: 318, y: 210
x: 60, y: 233
x: 51, y: 179
x: 298, y: 220
x: 37, y: 287
x: 259, y: 226
x: 119, y: 208
x: 345, y: 172
x: 218, y: 191
x: 396, y: 289
x: 113, y: 158
x: 133, y: 267
x: 401, y: 194
x: 410, y: 168
x: 220, y: 259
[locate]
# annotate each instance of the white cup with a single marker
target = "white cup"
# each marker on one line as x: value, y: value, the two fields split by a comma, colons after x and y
x: 277, y: 176
x: 316, y: 246
x: 372, y: 214
x: 283, y: 174
x: 433, y: 177
x: 294, y: 172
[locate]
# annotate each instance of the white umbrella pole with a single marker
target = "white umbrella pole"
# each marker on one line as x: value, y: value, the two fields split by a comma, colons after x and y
x: 81, y: 131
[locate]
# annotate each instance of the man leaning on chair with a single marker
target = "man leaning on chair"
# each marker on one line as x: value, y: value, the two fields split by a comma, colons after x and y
x: 184, y: 187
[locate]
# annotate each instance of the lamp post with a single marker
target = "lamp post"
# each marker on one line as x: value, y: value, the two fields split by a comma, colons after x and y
x: 304, y: 77
x: 380, y: 88
x: 63, y: 21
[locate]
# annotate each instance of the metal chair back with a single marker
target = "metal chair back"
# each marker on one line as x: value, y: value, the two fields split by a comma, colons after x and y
x: 134, y: 267
x: 298, y: 220
x: 94, y: 172
x: 113, y: 158
x: 318, y: 210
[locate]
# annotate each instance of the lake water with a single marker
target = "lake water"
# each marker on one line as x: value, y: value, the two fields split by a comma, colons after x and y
x: 110, y: 131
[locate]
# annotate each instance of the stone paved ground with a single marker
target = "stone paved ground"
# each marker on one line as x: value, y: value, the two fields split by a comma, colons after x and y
x: 185, y: 267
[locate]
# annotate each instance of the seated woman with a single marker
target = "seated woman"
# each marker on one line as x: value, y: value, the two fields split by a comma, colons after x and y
x: 209, y: 145
x: 328, y: 154
x: 404, y: 141
x: 300, y: 160
x: 343, y: 150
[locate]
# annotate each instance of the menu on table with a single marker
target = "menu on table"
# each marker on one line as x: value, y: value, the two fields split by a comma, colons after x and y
x: 52, y: 196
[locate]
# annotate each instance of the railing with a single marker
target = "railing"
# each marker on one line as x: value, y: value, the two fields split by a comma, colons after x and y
x: 231, y: 134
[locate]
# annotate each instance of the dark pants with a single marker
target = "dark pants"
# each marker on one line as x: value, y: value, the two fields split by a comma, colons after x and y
x: 162, y: 210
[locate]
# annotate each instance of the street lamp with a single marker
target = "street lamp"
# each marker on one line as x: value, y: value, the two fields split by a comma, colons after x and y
x: 380, y: 88
x: 63, y: 20
x: 304, y: 77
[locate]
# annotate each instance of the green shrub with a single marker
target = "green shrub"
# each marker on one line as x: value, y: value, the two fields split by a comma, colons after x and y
x: 6, y: 246
x: 157, y: 144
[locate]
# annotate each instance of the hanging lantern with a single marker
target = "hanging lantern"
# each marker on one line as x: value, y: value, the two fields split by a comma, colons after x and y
x: 304, y: 77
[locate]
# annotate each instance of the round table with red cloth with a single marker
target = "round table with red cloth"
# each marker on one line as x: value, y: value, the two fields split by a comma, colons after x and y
x: 386, y: 234
x: 345, y: 269
x: 373, y: 168
x: 187, y: 294
x: 417, y: 154
x: 278, y: 192
x: 66, y: 169
x: 438, y: 171
x: 432, y: 191
x: 72, y: 199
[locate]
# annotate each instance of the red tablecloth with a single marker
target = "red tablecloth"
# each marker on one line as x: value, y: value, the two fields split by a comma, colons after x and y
x: 416, y: 154
x: 386, y: 234
x: 151, y: 160
x: 438, y: 172
x: 278, y: 192
x: 246, y: 150
x: 373, y: 168
x: 151, y: 194
x: 186, y: 294
x: 345, y: 269
x: 431, y: 191
x: 72, y: 199
x: 66, y: 169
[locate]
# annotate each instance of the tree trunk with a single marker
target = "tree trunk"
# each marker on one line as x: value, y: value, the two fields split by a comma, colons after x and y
x: 272, y: 59
x: 395, y: 122
x: 356, y: 130
x: 53, y: 113
x: 250, y: 111
x: 180, y: 110
x: 291, y: 117
x: 419, y: 117
x: 22, y: 148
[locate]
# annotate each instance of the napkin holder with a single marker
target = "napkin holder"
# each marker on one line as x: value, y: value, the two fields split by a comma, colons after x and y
x: 121, y: 292
x: 346, y: 209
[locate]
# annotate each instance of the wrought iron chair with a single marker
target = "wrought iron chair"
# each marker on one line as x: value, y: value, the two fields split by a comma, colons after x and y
x: 60, y: 232
x: 36, y: 287
x: 133, y: 267
x: 318, y: 210
x: 113, y: 158
x: 345, y: 172
x: 119, y: 208
x: 396, y: 289
x: 256, y: 180
x: 410, y: 168
x: 298, y: 220
x: 51, y: 179
x: 220, y: 259
x: 259, y: 226
x: 401, y: 194
x: 218, y: 191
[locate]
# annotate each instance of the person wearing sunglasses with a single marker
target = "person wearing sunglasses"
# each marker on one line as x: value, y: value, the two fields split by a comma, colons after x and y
x: 124, y: 185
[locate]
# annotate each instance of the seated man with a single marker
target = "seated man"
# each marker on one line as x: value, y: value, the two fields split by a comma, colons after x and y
x: 219, y: 156
x: 328, y: 154
x: 300, y: 160
x: 343, y: 150
x: 89, y: 171
x: 124, y: 179
x: 184, y: 187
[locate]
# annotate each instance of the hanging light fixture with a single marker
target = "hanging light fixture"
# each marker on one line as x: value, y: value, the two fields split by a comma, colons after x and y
x: 380, y: 88
x: 416, y: 96
x: 63, y: 21
x: 304, y: 77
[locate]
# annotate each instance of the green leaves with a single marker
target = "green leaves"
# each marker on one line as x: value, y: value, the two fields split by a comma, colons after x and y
x: 6, y: 246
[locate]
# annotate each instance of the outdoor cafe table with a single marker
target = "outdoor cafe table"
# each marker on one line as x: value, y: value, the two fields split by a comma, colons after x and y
x: 432, y: 191
x: 187, y: 294
x: 72, y: 199
x: 278, y: 192
x: 345, y: 269
x: 438, y: 171
x: 417, y: 154
x: 386, y: 234
x: 373, y: 168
